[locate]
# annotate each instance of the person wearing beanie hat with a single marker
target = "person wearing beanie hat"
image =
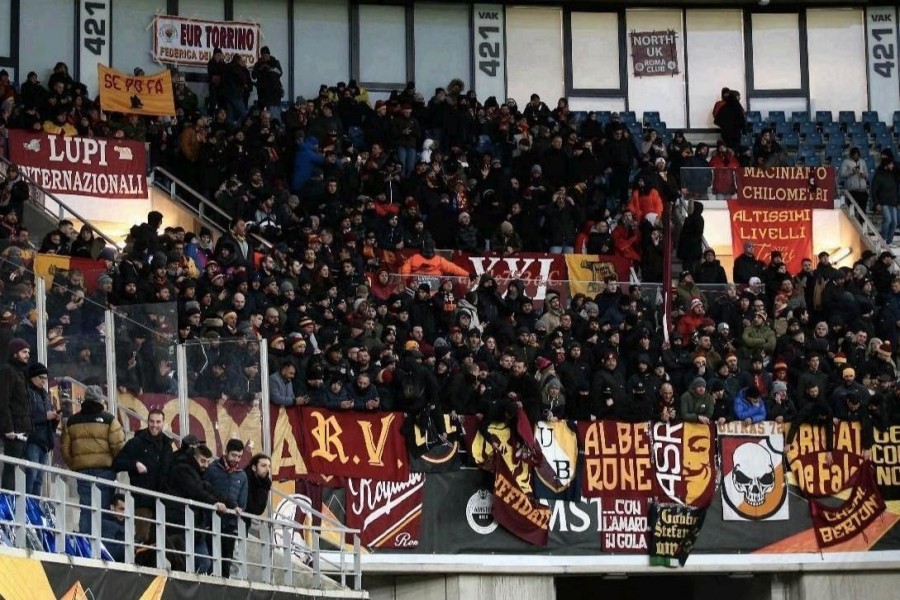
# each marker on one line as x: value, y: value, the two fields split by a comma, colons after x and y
x: 91, y: 440
x: 15, y: 406
x: 779, y: 406
x: 44, y: 420
x: 695, y: 404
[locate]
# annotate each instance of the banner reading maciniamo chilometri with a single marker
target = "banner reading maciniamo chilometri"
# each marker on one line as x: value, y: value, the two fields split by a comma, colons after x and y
x: 81, y: 166
x: 136, y: 94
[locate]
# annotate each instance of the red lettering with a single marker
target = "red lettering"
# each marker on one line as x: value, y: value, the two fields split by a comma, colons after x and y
x: 110, y: 81
x: 230, y: 38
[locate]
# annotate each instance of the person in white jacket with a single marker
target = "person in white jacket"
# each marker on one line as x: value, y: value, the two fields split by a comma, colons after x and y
x: 855, y: 174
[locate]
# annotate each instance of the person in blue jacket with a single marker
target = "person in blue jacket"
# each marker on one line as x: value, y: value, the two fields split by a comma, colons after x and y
x: 306, y: 160
x: 749, y: 406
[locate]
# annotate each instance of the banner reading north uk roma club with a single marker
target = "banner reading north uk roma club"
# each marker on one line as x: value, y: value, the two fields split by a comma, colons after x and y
x: 136, y: 94
x: 788, y: 230
x: 181, y: 41
x: 354, y: 444
x: 654, y: 53
x: 787, y: 187
x: 81, y: 166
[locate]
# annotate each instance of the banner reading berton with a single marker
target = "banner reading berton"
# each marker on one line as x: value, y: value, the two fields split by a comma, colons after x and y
x: 136, y: 94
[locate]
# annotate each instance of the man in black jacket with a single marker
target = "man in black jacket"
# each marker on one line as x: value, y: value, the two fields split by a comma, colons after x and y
x: 186, y: 481
x: 259, y: 483
x: 147, y: 457
x: 15, y: 406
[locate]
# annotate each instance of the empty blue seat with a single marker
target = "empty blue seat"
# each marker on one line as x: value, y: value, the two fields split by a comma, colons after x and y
x: 783, y: 128
x: 846, y: 117
x: 757, y: 127
x: 651, y: 116
x: 807, y: 128
x: 628, y: 116
x: 814, y: 140
x: 869, y: 116
x: 813, y: 161
x: 799, y: 116
x: 824, y: 116
x: 878, y: 128
x: 776, y: 116
x: 790, y: 140
x: 754, y: 116
x: 884, y: 140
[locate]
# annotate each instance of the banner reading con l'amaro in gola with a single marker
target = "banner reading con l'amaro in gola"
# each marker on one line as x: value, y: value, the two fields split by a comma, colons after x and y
x: 81, y: 166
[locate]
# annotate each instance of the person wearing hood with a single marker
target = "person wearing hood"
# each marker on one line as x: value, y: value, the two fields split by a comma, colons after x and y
x: 690, y: 242
x: 305, y: 161
x: 91, y: 440
x: 15, y: 406
x: 749, y: 406
x: 696, y: 406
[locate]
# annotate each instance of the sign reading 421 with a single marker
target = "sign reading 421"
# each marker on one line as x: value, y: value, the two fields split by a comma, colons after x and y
x: 94, y: 39
x: 489, y: 52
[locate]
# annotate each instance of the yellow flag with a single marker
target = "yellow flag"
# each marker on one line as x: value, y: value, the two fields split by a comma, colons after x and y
x: 138, y: 95
x: 586, y: 270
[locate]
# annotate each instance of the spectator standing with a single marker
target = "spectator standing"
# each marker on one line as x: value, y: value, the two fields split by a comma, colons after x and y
x: 690, y: 242
x: 187, y: 481
x: 45, y: 419
x: 15, y: 406
x: 269, y: 89
x: 855, y: 173
x: 147, y: 457
x: 259, y: 484
x: 228, y: 481
x: 885, y: 195
x: 91, y: 440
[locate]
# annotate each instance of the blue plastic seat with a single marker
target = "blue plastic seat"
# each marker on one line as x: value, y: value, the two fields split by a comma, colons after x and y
x: 776, y: 116
x: 824, y: 116
x: 651, y: 116
x: 815, y: 140
x: 869, y: 117
x: 845, y: 117
x: 799, y: 116
x: 753, y: 116
x: 628, y: 116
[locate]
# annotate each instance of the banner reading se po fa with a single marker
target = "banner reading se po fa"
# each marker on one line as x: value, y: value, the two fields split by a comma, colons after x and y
x: 136, y: 95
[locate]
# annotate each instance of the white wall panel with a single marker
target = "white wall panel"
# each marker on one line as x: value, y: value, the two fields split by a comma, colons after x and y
x: 595, y: 50
x: 597, y: 104
x: 443, y: 51
x: 203, y: 9
x: 664, y: 94
x: 534, y: 54
x: 382, y: 43
x: 38, y: 52
x: 776, y: 51
x: 272, y: 18
x: 788, y: 105
x: 322, y: 45
x: 132, y: 42
x: 715, y: 54
x: 837, y: 59
x: 5, y: 27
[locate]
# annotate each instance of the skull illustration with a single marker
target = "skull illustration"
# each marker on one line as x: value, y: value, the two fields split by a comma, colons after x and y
x: 753, y: 474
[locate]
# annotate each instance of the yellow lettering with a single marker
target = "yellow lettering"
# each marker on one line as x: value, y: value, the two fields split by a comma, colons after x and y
x: 327, y: 434
x: 376, y: 450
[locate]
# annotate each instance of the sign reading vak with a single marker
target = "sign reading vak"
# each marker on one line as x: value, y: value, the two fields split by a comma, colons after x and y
x: 884, y: 80
x: 782, y: 187
x: 181, y: 41
x: 788, y: 230
x: 488, y: 52
x: 654, y: 53
x: 136, y: 94
x: 81, y: 166
x: 354, y: 444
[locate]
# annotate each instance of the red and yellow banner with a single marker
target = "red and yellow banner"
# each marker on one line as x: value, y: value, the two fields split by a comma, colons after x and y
x: 834, y: 525
x: 617, y: 460
x: 586, y: 270
x: 136, y: 94
x: 354, y: 444
x: 516, y: 510
x: 387, y: 513
x: 787, y: 187
x: 48, y: 265
x: 788, y: 230
x: 684, y: 458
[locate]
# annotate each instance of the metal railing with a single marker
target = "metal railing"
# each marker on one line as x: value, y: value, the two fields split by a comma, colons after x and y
x: 207, y: 212
x: 277, y: 552
x: 41, y: 197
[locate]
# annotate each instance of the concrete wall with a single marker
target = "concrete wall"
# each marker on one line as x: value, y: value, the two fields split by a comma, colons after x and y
x: 460, y: 587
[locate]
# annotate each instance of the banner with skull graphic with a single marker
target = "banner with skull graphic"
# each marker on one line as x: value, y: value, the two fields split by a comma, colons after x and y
x: 754, y: 484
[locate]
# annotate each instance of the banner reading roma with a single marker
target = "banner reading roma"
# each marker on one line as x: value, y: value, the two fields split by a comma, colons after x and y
x: 654, y: 53
x: 354, y: 444
x: 192, y: 41
x: 81, y: 166
x: 136, y: 94
x: 788, y: 230
x: 782, y: 187
x: 834, y: 525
